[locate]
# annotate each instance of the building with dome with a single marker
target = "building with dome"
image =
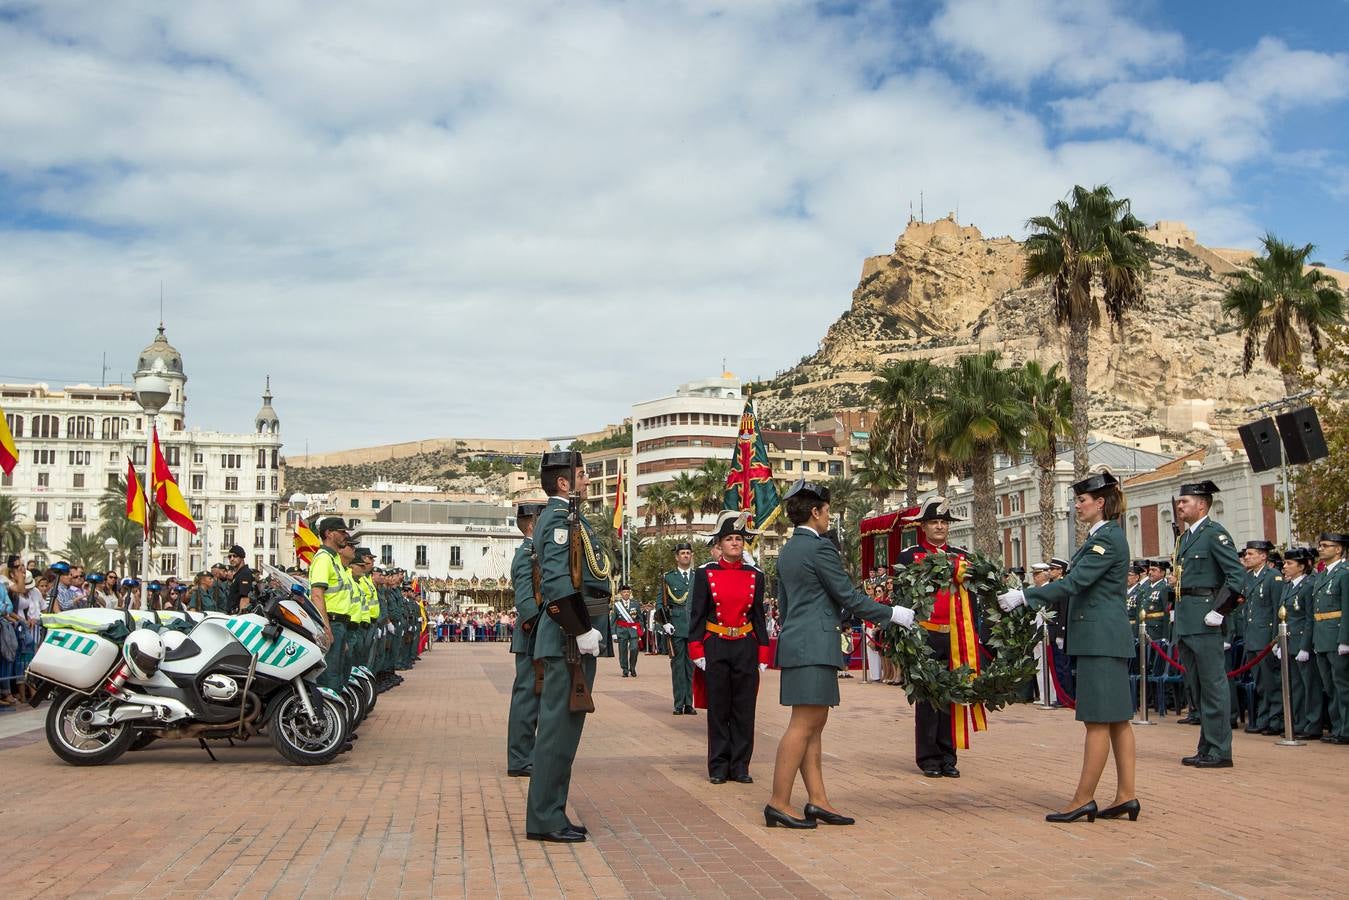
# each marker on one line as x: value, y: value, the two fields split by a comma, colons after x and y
x: 74, y: 443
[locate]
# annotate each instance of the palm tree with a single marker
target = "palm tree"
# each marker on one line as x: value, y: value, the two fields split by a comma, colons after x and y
x: 686, y: 498
x: 11, y: 535
x: 1051, y: 417
x: 711, y: 481
x: 659, y: 504
x: 1277, y: 297
x: 128, y: 534
x: 903, y: 393
x: 874, y: 474
x: 1089, y: 239
x: 981, y: 414
x: 84, y: 550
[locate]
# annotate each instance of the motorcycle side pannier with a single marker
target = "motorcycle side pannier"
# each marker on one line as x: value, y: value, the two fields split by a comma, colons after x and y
x: 74, y: 659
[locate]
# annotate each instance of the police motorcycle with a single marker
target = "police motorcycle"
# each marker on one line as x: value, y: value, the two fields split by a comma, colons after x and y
x: 359, y: 691
x: 120, y: 678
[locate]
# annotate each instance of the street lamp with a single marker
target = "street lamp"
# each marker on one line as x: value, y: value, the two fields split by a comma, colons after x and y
x: 152, y: 393
x: 27, y: 526
x: 111, y: 546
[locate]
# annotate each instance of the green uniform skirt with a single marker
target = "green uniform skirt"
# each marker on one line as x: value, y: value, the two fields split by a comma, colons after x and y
x: 811, y: 686
x: 1103, y: 693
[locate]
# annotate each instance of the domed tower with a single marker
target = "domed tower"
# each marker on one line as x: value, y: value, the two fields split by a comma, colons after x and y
x: 163, y: 358
x: 267, y: 421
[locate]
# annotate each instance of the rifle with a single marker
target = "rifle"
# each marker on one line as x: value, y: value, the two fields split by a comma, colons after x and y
x: 662, y: 617
x: 579, y: 699
x: 536, y: 576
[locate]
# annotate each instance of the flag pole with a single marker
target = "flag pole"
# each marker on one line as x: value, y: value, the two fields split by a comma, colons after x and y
x: 152, y: 423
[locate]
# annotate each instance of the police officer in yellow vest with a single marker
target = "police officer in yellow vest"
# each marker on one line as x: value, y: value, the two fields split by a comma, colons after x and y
x: 363, y: 608
x: 330, y: 587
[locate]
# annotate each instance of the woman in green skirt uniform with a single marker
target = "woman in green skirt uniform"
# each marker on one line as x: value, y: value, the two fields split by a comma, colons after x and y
x: 813, y: 594
x: 1101, y: 641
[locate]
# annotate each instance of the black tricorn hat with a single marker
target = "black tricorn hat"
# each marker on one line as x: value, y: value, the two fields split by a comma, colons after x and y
x: 560, y: 459
x: 934, y: 509
x: 529, y: 510
x: 1300, y: 554
x: 1199, y: 489
x: 683, y: 545
x: 1163, y: 564
x: 1335, y: 537
x: 1097, y: 481
x: 1138, y: 567
x: 801, y: 486
x: 1260, y: 545
x: 625, y: 587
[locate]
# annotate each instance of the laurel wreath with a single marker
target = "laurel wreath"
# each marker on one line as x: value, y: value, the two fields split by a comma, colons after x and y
x: 1011, y: 637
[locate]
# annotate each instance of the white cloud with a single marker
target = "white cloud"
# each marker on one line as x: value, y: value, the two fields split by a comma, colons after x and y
x: 416, y: 218
x: 1075, y: 42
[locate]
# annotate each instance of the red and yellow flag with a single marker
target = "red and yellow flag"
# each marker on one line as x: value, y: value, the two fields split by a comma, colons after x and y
x: 306, y: 542
x: 167, y: 496
x: 135, y: 498
x: 618, y: 502
x: 9, y: 454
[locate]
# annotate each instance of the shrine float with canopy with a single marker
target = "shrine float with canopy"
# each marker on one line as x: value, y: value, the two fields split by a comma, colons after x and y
x: 883, y: 537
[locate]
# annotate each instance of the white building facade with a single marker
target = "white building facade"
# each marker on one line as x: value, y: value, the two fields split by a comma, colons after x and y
x: 74, y: 444
x: 444, y: 540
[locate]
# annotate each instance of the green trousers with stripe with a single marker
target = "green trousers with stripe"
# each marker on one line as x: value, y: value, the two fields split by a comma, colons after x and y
x: 334, y: 674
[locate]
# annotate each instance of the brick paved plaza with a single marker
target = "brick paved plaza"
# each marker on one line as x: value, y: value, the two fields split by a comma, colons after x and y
x: 423, y: 808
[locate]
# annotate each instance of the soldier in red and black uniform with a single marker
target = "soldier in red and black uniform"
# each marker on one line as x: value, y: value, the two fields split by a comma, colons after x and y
x: 728, y: 642
x: 933, y: 741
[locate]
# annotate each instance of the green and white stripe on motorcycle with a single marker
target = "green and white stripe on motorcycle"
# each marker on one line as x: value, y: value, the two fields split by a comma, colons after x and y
x: 69, y: 640
x: 279, y: 653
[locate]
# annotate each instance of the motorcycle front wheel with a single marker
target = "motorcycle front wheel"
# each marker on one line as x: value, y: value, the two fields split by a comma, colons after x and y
x: 80, y: 743
x: 302, y: 741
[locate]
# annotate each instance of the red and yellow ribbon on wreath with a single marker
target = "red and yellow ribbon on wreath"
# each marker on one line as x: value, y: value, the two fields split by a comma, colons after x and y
x: 965, y: 718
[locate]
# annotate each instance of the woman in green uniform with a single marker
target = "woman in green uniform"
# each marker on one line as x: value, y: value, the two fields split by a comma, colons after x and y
x: 1100, y: 639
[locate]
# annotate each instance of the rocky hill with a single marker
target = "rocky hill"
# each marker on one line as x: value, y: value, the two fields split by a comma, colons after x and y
x: 946, y: 290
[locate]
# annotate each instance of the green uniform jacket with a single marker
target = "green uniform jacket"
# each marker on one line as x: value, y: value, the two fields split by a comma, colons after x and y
x: 1330, y: 595
x: 526, y: 608
x: 1098, y: 623
x: 1297, y: 599
x: 1154, y: 605
x: 1264, y: 590
x: 1207, y: 560
x: 813, y: 593
x: 1133, y: 597
x: 551, y: 541
x: 677, y: 589
x: 634, y: 609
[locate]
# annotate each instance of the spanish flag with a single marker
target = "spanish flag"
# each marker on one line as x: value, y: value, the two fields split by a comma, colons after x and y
x: 135, y: 498
x: 9, y: 454
x: 306, y: 542
x: 167, y: 496
x: 618, y: 502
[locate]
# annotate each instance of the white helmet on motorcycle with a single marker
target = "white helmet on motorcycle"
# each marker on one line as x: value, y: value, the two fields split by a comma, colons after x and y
x: 143, y: 651
x: 172, y: 640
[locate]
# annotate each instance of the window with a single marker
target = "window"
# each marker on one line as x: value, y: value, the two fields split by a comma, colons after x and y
x: 44, y: 479
x: 259, y: 537
x: 227, y: 537
x: 262, y: 459
x: 611, y: 467
x: 113, y: 456
x: 197, y: 515
x: 374, y: 503
x: 386, y: 554
x: 456, y: 557
x: 168, y: 562
x: 231, y: 514
x: 276, y: 464
x: 46, y: 427
x: 44, y: 457
x: 79, y: 427
x: 421, y: 556
x: 198, y: 459
x: 110, y: 428
x: 138, y: 454
x: 271, y: 538
x: 76, y: 531
x: 113, y: 479
x: 172, y: 455
x: 77, y: 511
x: 262, y: 483
x: 273, y: 482
x: 15, y: 424
x: 1016, y: 502
x: 80, y: 457
x: 40, y: 511
x: 6, y: 479
x: 231, y: 461
x: 355, y: 503
x: 786, y: 465
x: 198, y: 482
x: 260, y: 512
x: 232, y: 483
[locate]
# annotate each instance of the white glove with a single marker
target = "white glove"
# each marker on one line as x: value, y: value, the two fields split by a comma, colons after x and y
x: 589, y: 643
x: 763, y: 667
x: 1171, y: 617
x: 1226, y: 645
x: 1275, y: 651
x: 902, y: 616
x: 1343, y: 649
x: 1303, y: 656
x: 700, y: 663
x: 667, y: 628
x: 1213, y: 618
x: 1011, y: 600
x: 1058, y: 642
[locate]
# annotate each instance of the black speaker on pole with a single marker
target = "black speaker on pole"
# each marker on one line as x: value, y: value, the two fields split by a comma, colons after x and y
x: 1261, y: 441
x: 1302, y: 437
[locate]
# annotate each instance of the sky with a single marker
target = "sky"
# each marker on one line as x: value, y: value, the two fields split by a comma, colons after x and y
x: 516, y: 218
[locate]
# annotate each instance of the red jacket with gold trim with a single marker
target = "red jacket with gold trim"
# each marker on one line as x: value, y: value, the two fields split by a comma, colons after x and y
x: 730, y: 595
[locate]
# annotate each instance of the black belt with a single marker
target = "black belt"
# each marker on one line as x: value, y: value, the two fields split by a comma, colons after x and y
x: 365, y: 626
x: 1199, y: 592
x: 338, y: 617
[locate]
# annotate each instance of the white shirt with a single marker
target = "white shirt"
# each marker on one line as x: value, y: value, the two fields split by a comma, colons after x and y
x: 1334, y: 564
x: 1196, y: 525
x: 1298, y: 580
x: 1093, y: 529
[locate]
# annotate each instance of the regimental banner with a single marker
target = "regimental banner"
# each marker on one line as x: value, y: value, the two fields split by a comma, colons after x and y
x: 750, y: 485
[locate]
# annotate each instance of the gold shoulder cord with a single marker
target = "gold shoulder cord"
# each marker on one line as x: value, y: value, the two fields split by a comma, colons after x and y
x: 676, y: 599
x: 598, y: 568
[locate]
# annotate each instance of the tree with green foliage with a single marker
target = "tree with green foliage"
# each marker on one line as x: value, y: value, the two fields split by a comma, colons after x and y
x: 659, y: 503
x: 1089, y: 242
x: 711, y: 485
x: 84, y: 550
x: 1278, y: 300
x: 1050, y: 398
x: 1320, y: 489
x: 903, y: 392
x: 11, y: 535
x: 686, y: 498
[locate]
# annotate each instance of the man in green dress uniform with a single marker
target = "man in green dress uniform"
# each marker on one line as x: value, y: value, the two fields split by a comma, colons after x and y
x: 1209, y: 579
x: 524, y: 716
x: 1263, y: 592
x: 1136, y: 579
x: 568, y: 610
x: 1154, y: 604
x: 674, y: 613
x: 1330, y: 631
x: 627, y: 630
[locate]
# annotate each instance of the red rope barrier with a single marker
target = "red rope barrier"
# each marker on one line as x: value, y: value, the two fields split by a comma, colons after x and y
x: 1235, y: 673
x: 1059, y: 692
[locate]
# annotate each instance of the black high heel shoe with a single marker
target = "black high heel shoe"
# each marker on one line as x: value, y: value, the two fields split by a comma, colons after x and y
x: 772, y: 817
x: 829, y: 818
x: 1130, y: 808
x: 1088, y: 809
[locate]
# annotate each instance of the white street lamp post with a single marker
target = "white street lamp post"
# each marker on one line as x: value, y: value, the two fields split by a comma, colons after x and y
x: 27, y: 526
x: 111, y: 546
x: 152, y: 393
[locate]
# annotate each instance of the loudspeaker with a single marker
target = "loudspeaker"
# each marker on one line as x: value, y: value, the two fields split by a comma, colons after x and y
x: 1262, y: 444
x: 1302, y: 437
